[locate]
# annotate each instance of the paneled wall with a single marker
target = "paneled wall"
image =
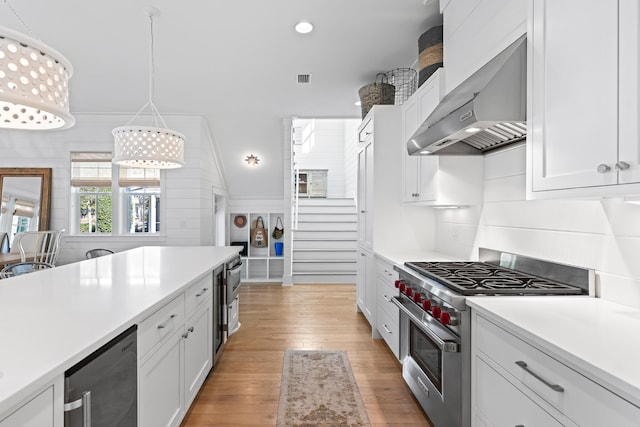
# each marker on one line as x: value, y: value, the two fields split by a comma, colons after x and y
x: 603, y: 234
x: 188, y: 193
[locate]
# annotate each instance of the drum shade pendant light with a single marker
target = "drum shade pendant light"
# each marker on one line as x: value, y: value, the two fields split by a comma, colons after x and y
x: 34, y: 83
x: 153, y: 146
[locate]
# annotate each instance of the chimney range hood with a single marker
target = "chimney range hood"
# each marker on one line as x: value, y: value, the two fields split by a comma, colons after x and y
x: 486, y: 111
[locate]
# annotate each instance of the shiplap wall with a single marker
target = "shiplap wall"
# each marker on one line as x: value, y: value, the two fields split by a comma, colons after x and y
x: 328, y: 152
x: 188, y: 196
x: 602, y: 234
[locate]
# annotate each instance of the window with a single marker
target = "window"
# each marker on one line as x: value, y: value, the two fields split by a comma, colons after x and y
x: 109, y: 199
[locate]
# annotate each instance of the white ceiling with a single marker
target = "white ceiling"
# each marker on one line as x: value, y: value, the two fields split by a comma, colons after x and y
x: 233, y: 61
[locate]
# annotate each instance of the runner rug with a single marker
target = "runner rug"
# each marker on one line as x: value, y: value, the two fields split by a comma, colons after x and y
x: 318, y: 388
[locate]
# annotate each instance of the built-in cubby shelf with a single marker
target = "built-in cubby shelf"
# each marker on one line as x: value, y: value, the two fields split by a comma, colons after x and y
x: 259, y: 264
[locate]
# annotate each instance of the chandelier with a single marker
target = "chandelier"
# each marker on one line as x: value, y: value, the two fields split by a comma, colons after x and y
x: 153, y: 146
x: 34, y: 83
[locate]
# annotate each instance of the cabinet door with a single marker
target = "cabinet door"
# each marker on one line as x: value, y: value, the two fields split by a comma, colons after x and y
x: 411, y: 163
x: 161, y: 383
x: 629, y: 91
x: 573, y: 99
x: 365, y: 284
x: 365, y: 195
x: 361, y: 279
x: 197, y: 352
x: 38, y: 412
x: 499, y: 403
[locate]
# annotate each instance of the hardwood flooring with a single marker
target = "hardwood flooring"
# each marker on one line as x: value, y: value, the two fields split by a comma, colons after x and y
x: 245, y: 386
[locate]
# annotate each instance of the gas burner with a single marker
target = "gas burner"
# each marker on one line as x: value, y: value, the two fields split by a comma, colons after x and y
x: 481, y: 278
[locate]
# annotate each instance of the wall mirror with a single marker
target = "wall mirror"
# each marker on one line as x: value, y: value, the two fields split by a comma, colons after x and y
x: 26, y: 198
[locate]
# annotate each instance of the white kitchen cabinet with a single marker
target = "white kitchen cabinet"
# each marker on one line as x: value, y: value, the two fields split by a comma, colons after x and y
x: 197, y: 351
x: 175, y: 355
x: 379, y: 199
x: 366, y: 285
x: 548, y: 388
x: 388, y: 312
x: 37, y: 412
x: 583, y: 119
x: 474, y: 31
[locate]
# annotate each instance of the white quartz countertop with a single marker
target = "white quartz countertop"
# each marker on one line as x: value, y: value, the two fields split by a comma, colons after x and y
x: 400, y: 256
x: 52, y: 319
x: 597, y: 338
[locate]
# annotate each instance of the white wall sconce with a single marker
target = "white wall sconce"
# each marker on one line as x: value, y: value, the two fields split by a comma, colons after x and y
x: 252, y: 160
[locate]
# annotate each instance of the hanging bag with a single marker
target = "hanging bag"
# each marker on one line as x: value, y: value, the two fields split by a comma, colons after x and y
x: 278, y: 230
x: 259, y: 235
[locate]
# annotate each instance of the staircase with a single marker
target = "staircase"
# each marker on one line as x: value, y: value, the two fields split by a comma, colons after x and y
x: 324, y: 243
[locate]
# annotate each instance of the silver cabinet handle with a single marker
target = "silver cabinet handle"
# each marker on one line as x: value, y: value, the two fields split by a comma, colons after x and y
x: 164, y: 325
x: 386, y: 329
x: 363, y: 211
x: 85, y: 403
x: 191, y: 329
x: 520, y: 425
x: 386, y: 297
x: 620, y: 166
x: 86, y: 409
x: 602, y: 168
x: 554, y: 387
x: 186, y: 334
x: 202, y: 292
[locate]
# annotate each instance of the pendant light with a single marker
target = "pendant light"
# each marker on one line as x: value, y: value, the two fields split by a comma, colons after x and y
x: 34, y: 83
x: 153, y: 146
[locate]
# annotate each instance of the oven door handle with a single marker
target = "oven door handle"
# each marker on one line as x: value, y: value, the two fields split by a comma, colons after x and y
x: 445, y: 346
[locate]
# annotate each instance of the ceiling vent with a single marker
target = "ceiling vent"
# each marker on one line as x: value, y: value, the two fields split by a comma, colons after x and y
x: 304, y: 78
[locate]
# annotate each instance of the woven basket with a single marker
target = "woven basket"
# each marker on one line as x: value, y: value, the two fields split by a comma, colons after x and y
x: 430, y: 48
x: 376, y: 93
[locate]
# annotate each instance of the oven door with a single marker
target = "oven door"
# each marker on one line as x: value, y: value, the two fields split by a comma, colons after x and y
x: 431, y: 364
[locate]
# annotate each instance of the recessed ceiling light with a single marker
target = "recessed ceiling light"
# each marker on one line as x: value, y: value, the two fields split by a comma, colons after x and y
x: 304, y: 27
x: 357, y: 103
x: 472, y: 130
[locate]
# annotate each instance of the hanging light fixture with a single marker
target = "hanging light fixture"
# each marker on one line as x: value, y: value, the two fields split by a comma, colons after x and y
x: 153, y: 146
x: 34, y: 82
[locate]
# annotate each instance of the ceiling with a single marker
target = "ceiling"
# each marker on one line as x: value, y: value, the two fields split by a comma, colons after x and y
x: 235, y: 62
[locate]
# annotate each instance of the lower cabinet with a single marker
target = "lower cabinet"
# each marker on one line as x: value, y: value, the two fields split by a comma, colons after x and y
x: 37, y: 412
x: 388, y: 312
x: 172, y: 371
x: 161, y: 385
x: 366, y: 286
x: 515, y: 383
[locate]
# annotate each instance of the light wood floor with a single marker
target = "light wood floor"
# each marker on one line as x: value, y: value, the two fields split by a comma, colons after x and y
x: 245, y: 386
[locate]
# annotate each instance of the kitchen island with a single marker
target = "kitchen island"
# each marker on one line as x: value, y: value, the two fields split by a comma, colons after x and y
x: 50, y: 320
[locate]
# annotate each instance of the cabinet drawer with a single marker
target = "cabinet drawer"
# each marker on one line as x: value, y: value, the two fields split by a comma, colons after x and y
x: 160, y: 325
x: 198, y: 293
x: 580, y: 399
x: 386, y: 270
x: 390, y: 331
x: 385, y: 293
x: 498, y: 402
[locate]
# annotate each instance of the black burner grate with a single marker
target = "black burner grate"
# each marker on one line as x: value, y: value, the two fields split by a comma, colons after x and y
x: 479, y: 278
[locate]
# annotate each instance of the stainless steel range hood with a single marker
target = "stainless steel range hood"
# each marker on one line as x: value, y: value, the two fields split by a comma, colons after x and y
x: 486, y: 111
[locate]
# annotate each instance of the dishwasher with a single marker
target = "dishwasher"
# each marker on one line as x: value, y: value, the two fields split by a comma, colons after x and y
x: 102, y: 389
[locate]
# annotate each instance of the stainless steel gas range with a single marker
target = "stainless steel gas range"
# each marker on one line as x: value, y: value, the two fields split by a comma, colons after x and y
x: 435, y: 323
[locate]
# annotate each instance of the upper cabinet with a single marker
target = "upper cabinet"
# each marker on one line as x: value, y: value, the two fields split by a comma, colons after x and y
x: 474, y: 31
x: 582, y: 115
x: 436, y: 180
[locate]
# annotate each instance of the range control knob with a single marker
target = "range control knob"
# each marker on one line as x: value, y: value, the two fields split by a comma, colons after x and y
x: 397, y: 283
x: 426, y: 305
x: 445, y: 318
x: 408, y: 291
x: 417, y: 297
x: 436, y: 311
x: 402, y: 286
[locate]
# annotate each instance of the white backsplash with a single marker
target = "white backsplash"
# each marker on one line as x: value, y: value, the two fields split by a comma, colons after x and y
x: 602, y: 234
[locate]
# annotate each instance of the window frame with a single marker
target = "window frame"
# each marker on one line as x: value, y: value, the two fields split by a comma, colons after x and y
x: 119, y: 203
